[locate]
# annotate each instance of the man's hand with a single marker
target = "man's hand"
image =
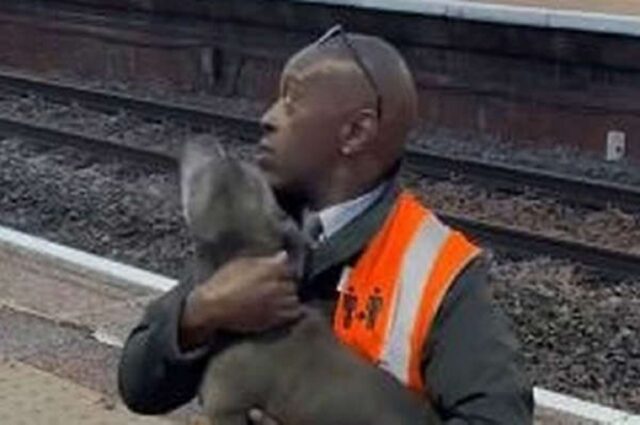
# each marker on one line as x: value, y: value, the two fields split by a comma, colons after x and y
x: 249, y: 294
x: 258, y: 417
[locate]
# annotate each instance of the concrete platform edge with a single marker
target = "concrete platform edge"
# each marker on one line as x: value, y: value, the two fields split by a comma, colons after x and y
x: 582, y: 409
x: 116, y: 272
x: 504, y: 14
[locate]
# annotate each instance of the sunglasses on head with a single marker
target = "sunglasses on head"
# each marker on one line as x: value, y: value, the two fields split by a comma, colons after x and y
x: 338, y: 31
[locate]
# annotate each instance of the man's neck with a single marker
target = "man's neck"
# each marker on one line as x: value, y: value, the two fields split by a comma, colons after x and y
x: 347, y: 183
x: 336, y: 198
x: 342, y: 190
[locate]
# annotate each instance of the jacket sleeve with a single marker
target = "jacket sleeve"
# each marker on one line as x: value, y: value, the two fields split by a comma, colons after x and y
x: 472, y: 365
x: 154, y: 376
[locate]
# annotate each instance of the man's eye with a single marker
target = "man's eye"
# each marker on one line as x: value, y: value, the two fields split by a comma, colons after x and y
x: 288, y: 103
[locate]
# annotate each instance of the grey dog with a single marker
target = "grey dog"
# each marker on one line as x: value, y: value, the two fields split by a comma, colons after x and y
x: 299, y: 373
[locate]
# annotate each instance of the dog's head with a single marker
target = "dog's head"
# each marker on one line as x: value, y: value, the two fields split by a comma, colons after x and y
x: 228, y: 204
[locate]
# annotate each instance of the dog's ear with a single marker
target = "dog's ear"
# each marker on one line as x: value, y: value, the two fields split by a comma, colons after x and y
x: 202, y: 149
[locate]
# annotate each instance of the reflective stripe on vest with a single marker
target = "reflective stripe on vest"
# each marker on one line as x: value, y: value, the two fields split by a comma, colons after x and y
x: 388, y: 303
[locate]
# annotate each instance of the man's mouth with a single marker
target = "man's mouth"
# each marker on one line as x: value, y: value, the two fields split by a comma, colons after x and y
x: 265, y: 156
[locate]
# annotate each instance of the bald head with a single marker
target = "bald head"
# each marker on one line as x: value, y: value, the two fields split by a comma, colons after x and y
x: 366, y: 70
x: 346, y: 105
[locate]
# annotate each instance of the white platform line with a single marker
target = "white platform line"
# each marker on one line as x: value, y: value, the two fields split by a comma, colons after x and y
x: 106, y: 338
x: 112, y: 271
x: 582, y: 409
x: 504, y: 14
x: 122, y: 273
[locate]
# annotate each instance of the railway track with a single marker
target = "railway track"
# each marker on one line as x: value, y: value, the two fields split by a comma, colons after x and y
x: 501, y: 237
x: 198, y: 117
x: 44, y: 134
x: 578, y: 190
x: 581, y: 191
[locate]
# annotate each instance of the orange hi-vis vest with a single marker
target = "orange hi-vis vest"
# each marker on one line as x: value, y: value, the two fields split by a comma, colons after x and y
x: 389, y: 300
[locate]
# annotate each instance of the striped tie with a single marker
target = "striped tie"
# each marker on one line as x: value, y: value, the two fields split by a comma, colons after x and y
x: 312, y: 228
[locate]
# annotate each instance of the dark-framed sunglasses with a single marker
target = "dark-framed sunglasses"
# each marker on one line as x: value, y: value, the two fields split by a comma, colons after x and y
x: 338, y: 31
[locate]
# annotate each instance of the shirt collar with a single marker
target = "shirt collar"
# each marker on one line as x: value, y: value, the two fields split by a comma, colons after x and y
x: 335, y: 217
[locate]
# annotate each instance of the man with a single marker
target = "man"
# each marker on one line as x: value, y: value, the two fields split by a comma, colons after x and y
x: 400, y: 288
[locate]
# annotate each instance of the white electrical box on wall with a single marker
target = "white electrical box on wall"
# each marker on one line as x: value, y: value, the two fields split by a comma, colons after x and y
x: 615, y: 145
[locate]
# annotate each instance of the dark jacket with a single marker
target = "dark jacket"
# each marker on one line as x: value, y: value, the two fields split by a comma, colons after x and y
x: 472, y: 366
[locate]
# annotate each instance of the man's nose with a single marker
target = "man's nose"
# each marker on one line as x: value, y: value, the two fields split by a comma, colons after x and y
x: 268, y: 122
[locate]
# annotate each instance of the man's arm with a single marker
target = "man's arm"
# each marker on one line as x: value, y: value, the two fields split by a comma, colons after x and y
x: 155, y: 376
x: 472, y: 366
x: 165, y: 355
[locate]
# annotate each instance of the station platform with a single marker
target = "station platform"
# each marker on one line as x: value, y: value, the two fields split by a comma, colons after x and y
x: 613, y: 7
x: 620, y: 17
x: 64, y: 316
x: 61, y: 329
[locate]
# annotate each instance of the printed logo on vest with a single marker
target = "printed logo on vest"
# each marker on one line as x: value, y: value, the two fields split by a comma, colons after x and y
x: 371, y: 313
x: 350, y: 304
x: 374, y: 307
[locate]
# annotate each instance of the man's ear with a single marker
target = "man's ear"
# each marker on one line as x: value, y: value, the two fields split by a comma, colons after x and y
x: 358, y: 132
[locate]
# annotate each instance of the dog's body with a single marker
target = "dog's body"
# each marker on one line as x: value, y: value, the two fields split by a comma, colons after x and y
x: 299, y: 374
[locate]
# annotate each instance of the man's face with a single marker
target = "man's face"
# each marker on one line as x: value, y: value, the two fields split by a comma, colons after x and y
x: 300, y: 143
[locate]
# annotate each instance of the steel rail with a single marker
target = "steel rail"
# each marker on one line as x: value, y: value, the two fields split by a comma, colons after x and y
x: 526, y: 243
x: 54, y: 136
x: 106, y: 100
x: 581, y: 190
